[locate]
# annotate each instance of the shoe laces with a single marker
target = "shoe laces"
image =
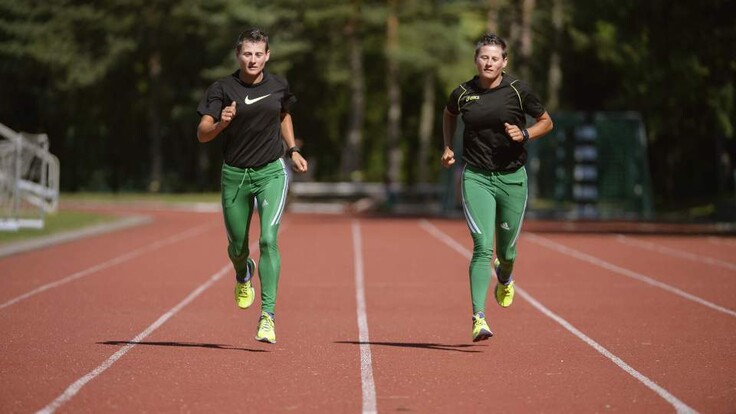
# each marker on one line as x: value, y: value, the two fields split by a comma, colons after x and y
x: 266, y: 323
x: 243, y: 289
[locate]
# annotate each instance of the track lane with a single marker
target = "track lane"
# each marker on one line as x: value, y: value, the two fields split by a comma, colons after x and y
x: 673, y: 341
x: 691, y: 249
x: 205, y: 358
x: 25, y: 272
x: 679, y: 343
x: 51, y: 338
x: 424, y: 361
x: 707, y: 281
x: 721, y: 248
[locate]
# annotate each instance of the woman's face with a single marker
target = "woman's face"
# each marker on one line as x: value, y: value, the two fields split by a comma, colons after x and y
x: 253, y: 57
x: 490, y: 62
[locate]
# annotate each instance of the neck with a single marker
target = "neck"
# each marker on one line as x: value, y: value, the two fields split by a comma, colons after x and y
x: 487, y: 83
x: 251, y: 79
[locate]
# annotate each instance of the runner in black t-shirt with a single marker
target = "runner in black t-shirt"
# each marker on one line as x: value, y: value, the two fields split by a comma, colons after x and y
x: 493, y: 106
x: 250, y: 110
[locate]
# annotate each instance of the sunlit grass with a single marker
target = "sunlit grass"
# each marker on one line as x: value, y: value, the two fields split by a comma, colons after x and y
x: 56, y: 223
x: 143, y: 197
x: 66, y: 220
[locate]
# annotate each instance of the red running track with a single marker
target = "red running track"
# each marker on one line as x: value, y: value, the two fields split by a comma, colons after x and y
x: 373, y: 315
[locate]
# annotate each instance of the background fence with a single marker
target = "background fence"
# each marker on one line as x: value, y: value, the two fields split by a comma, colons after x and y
x: 591, y: 166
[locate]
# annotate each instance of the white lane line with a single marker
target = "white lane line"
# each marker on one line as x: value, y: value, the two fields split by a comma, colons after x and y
x: 721, y: 241
x: 669, y: 251
x: 366, y: 366
x: 626, y: 272
x: 73, y: 389
x: 680, y: 407
x: 104, y: 265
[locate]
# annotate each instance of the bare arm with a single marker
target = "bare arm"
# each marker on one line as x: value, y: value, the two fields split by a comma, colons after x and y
x: 208, y: 129
x: 449, y: 123
x: 540, y: 128
x: 287, y: 133
x: 543, y: 125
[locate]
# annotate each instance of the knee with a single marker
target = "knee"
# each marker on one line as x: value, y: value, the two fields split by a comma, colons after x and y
x: 482, y: 248
x: 268, y: 242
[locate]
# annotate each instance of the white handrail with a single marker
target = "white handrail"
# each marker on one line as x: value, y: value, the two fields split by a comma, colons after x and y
x: 40, y: 189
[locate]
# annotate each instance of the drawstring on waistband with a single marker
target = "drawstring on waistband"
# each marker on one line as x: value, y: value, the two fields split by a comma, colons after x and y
x: 242, y: 180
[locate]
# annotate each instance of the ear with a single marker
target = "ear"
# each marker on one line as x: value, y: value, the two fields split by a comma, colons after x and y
x: 505, y: 62
x: 268, y: 55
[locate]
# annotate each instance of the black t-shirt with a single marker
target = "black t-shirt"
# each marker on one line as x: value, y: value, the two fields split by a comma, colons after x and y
x: 484, y: 111
x: 253, y: 137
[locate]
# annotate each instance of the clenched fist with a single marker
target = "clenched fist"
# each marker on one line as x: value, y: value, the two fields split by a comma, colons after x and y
x: 227, y: 115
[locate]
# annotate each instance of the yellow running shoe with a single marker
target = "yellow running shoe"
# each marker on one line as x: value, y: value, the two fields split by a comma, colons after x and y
x: 245, y: 295
x: 266, y: 329
x: 481, y: 331
x: 504, y: 293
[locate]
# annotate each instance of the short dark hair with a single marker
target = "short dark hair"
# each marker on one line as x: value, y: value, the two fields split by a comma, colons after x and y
x: 253, y: 35
x: 490, y: 39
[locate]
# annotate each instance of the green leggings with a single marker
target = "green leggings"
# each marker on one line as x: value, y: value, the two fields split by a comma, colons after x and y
x: 264, y: 188
x: 494, y: 202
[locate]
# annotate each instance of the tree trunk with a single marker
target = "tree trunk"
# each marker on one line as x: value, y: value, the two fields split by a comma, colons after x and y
x: 393, y: 130
x: 513, y: 40
x: 154, y: 122
x: 426, y: 124
x: 492, y: 16
x: 554, y: 77
x: 352, y: 154
x: 526, y: 38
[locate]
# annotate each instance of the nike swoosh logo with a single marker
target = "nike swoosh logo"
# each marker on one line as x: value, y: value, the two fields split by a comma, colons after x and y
x: 252, y: 101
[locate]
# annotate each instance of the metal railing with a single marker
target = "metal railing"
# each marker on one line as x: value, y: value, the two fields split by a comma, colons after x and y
x: 29, y: 180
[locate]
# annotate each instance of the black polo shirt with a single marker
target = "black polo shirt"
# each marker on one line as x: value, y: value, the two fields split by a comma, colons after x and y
x: 253, y: 137
x: 484, y: 111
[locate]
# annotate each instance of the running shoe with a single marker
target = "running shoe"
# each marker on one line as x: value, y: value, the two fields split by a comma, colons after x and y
x: 504, y: 293
x: 245, y: 295
x: 481, y: 331
x: 266, y: 329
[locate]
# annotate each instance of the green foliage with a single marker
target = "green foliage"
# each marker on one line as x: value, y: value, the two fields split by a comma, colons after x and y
x: 77, y: 43
x: 109, y: 79
x: 653, y: 57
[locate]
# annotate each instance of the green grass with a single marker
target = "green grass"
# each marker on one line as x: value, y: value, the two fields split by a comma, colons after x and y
x: 56, y: 223
x: 66, y: 220
x: 143, y: 197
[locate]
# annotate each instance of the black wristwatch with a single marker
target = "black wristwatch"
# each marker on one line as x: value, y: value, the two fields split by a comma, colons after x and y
x: 292, y: 150
x: 525, y: 134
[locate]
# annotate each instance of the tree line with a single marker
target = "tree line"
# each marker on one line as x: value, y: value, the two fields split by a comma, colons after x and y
x: 115, y: 83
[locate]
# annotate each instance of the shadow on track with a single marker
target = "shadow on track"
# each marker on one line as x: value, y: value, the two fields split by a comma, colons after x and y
x: 439, y: 347
x: 182, y: 344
